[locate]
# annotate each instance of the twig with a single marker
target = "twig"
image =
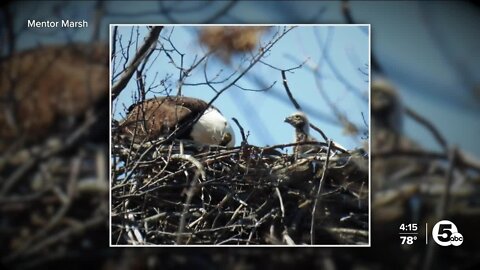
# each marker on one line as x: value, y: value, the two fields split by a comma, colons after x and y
x: 66, y: 201
x: 349, y: 231
x: 244, y: 138
x: 310, y: 110
x: 65, y: 234
x: 289, y: 93
x: 114, y: 44
x: 194, y: 161
x: 139, y: 56
x: 463, y: 159
x: 442, y: 207
x: 427, y: 124
x: 287, y: 239
x: 302, y: 143
x: 347, y: 14
x: 258, y: 57
x: 221, y: 215
x: 155, y: 218
x: 319, y: 131
x: 47, y: 152
x: 99, y: 13
x: 336, y: 72
x: 279, y: 195
x: 181, y: 227
x: 10, y: 39
x: 317, y: 197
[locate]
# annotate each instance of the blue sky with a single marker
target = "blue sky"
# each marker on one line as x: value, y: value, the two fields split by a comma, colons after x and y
x: 262, y: 113
x: 429, y: 50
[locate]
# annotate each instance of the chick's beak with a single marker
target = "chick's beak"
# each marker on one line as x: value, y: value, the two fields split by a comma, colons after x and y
x: 288, y: 120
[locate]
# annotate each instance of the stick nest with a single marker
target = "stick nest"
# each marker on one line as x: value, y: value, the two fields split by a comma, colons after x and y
x: 184, y: 193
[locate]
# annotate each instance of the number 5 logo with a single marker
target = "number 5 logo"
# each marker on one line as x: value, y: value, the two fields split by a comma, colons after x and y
x: 445, y: 233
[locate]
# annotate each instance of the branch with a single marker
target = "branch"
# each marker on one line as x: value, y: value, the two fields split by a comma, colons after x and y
x: 443, y: 206
x: 423, y: 121
x: 317, y: 197
x: 464, y: 159
x: 255, y: 60
x: 244, y: 138
x: 445, y: 201
x: 347, y: 14
x: 289, y: 93
x: 139, y: 56
x: 319, y: 131
x: 9, y: 29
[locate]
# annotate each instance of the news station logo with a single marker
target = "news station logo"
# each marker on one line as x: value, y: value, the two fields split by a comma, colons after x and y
x: 445, y: 233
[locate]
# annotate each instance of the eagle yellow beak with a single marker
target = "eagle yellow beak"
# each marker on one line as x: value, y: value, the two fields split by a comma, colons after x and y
x: 227, y: 137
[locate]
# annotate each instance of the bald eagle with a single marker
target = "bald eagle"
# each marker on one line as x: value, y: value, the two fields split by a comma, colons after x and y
x: 158, y: 117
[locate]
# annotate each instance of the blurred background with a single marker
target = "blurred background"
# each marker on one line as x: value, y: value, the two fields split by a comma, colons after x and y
x: 426, y: 51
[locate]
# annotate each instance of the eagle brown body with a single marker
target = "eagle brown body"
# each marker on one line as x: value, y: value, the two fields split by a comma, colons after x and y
x: 159, y: 117
x: 153, y: 118
x: 42, y: 86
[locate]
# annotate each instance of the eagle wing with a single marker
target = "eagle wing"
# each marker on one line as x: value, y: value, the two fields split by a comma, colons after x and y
x: 42, y: 86
x: 158, y: 117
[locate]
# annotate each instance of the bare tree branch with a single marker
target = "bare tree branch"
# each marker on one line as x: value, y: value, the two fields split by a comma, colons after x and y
x: 318, y: 193
x: 137, y: 59
x: 427, y: 124
x: 289, y: 93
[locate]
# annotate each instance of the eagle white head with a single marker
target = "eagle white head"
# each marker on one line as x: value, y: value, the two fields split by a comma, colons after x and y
x: 213, y: 128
